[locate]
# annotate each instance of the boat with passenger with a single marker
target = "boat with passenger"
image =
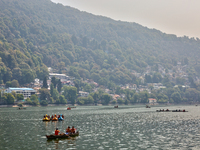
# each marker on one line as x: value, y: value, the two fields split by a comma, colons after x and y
x: 167, y: 110
x: 61, y: 136
x: 116, y: 106
x: 69, y: 133
x: 179, y: 110
x: 53, y: 118
x: 46, y: 118
x: 147, y: 106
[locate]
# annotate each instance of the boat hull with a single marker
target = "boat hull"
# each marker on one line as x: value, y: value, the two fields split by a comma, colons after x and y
x: 170, y: 111
x: 52, y: 136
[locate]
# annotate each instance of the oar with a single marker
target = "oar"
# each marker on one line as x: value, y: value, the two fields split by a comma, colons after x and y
x: 66, y: 135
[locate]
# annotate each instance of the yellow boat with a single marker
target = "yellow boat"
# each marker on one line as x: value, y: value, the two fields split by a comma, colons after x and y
x: 46, y: 119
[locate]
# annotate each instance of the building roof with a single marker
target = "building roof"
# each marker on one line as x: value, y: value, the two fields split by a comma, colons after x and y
x: 27, y: 89
x: 56, y: 74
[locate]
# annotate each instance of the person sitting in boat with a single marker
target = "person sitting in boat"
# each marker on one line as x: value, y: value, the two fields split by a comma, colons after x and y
x: 55, y: 118
x: 73, y: 130
x: 68, y: 130
x: 51, y: 117
x: 46, y: 117
x: 167, y: 110
x: 58, y: 116
x: 57, y: 131
x: 183, y: 110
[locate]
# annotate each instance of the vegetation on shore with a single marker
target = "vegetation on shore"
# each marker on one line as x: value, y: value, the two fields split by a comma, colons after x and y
x: 38, y: 34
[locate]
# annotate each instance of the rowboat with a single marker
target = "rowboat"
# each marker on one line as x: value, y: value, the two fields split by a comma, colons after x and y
x: 55, y: 119
x: 46, y: 119
x: 179, y: 111
x: 60, y: 119
x: 171, y: 111
x: 163, y: 111
x: 116, y: 106
x: 148, y: 106
x: 63, y: 136
x: 68, y: 108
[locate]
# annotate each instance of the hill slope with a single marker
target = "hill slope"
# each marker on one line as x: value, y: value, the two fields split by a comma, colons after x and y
x: 39, y: 33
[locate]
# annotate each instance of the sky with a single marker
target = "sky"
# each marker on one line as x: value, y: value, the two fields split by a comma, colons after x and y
x: 179, y: 17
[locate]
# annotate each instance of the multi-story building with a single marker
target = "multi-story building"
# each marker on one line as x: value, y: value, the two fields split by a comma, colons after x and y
x: 27, y: 92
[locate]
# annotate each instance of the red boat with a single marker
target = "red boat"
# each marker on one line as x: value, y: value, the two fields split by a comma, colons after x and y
x: 68, y: 108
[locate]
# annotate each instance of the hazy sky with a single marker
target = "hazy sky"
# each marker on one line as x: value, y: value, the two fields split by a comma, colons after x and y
x: 180, y: 17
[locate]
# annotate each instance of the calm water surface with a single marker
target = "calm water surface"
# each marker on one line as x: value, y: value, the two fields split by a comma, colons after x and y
x: 102, y: 127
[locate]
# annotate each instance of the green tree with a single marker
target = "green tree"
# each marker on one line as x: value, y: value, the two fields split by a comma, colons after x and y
x: 28, y: 101
x: 14, y: 83
x: 34, y: 100
x: 10, y: 99
x: 176, y: 97
x: 120, y: 101
x: 44, y: 94
x: 19, y: 97
x: 192, y: 95
x: 81, y: 100
x: 51, y: 89
x: 87, y: 88
x: 106, y: 98
x: 95, y: 97
x: 45, y: 83
x: 62, y: 99
x: 89, y: 100
x: 144, y: 96
x: 44, y: 103
x: 8, y: 84
x: 55, y: 94
x: 70, y: 94
x: 53, y: 80
x: 59, y: 87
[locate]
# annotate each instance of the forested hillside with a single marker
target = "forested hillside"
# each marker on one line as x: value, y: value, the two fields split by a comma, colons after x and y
x: 36, y: 34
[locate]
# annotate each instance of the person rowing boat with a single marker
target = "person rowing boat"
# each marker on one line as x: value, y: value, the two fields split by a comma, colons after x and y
x: 57, y: 133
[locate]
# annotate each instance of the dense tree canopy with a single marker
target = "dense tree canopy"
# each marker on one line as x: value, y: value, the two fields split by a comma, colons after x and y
x: 36, y: 34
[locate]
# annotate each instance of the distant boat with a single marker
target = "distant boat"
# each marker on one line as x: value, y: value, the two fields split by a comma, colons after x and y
x: 68, y: 108
x: 167, y: 110
x: 116, y: 106
x: 21, y: 108
x: 148, y: 106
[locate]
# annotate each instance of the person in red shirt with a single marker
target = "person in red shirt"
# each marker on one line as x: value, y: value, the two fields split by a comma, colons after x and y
x: 56, y: 131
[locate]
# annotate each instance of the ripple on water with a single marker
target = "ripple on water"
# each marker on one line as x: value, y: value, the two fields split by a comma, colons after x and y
x: 102, y: 128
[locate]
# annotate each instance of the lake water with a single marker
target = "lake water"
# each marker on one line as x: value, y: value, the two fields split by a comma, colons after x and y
x: 102, y: 127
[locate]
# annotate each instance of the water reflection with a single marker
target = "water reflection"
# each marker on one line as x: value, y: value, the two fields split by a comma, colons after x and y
x: 67, y: 143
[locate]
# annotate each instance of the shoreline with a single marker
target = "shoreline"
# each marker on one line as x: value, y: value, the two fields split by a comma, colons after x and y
x: 69, y: 105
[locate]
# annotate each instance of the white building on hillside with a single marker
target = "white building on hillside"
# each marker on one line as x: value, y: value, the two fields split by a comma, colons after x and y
x: 83, y: 94
x: 27, y: 92
x: 59, y: 76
